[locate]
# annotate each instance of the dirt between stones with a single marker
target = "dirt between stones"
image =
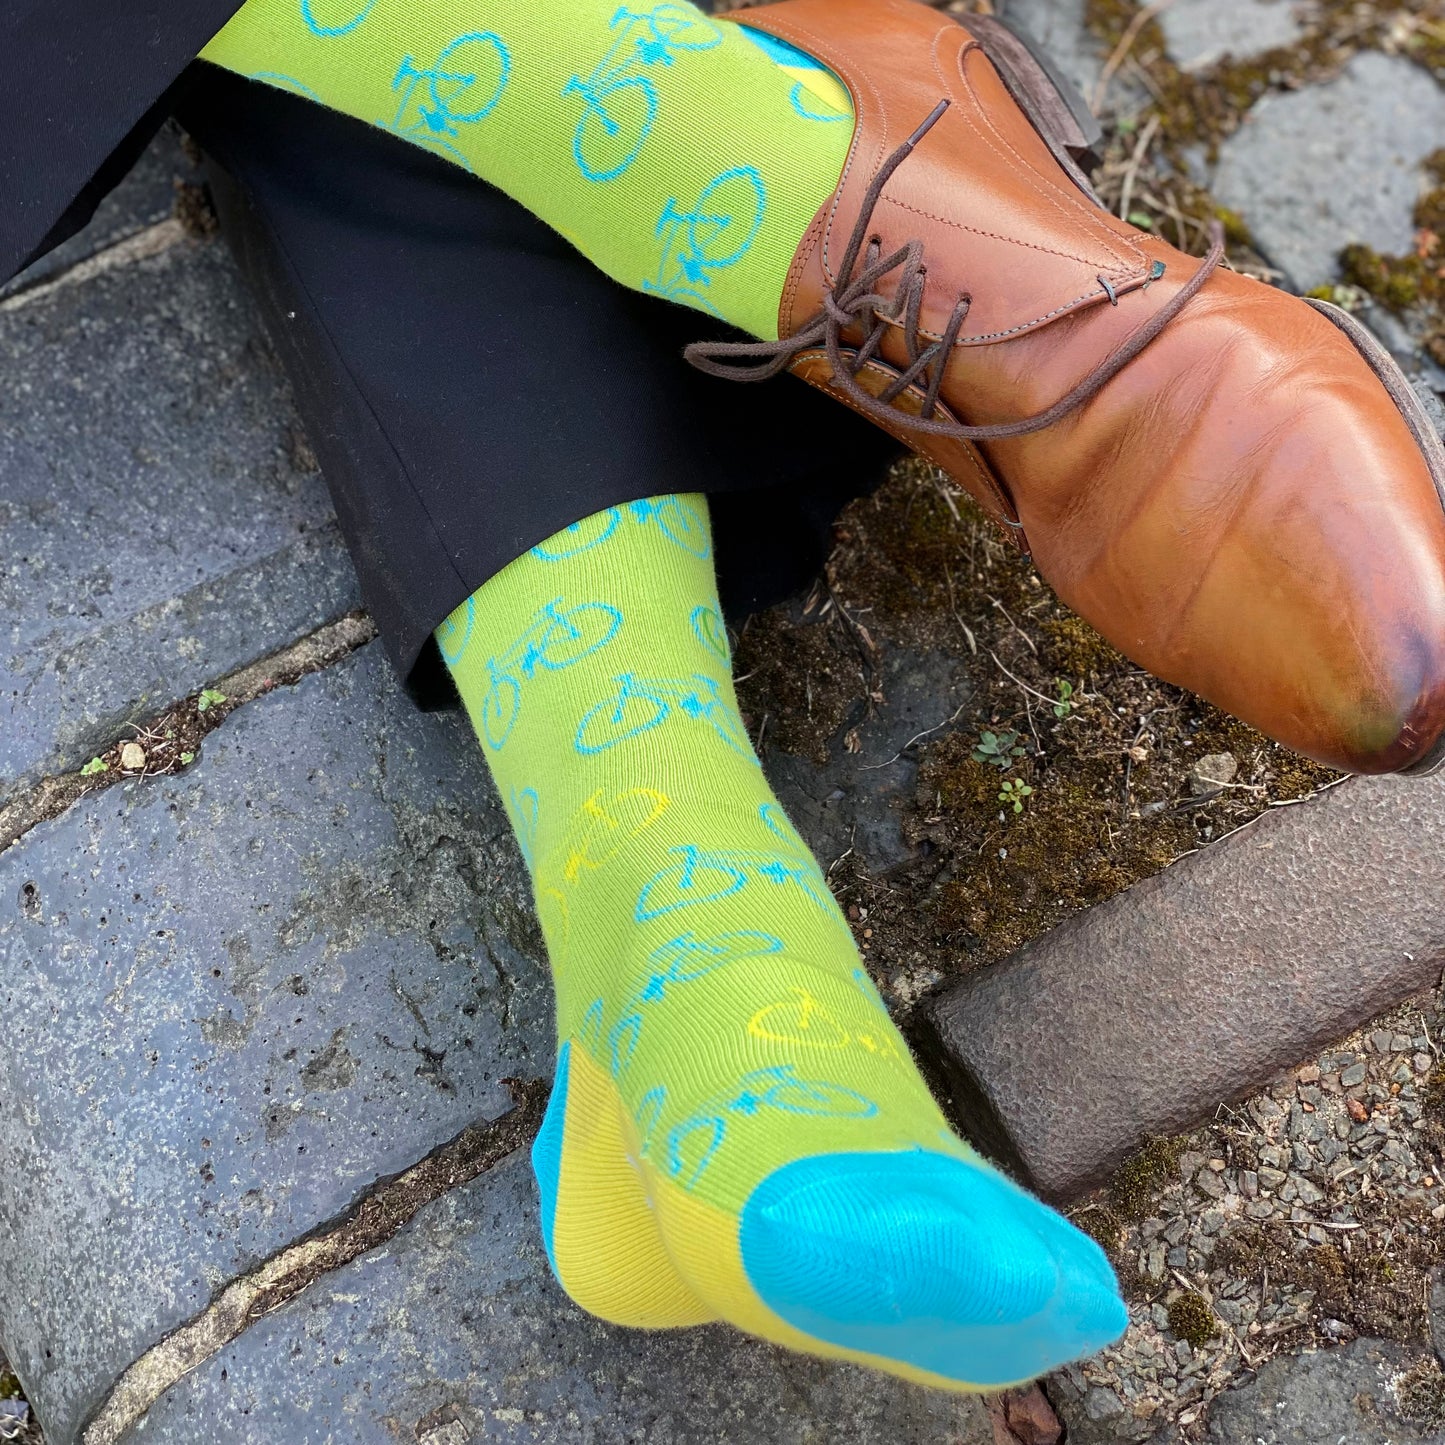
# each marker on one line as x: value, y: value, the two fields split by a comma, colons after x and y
x: 1068, y: 774
x: 1306, y: 1216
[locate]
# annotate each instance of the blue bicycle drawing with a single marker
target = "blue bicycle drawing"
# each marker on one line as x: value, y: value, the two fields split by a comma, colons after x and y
x: 525, y: 807
x: 461, y: 88
x: 641, y: 704
x: 715, y: 234
x: 328, y: 18
x: 286, y: 82
x: 703, y: 875
x: 679, y: 522
x: 692, y: 1144
x: 797, y: 98
x: 556, y: 638
x: 680, y: 961
x: 619, y: 102
x: 708, y: 628
x: 453, y: 636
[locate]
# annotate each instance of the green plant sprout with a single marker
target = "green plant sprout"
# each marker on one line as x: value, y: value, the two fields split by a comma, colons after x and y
x: 1014, y: 791
x: 1063, y: 707
x: 94, y: 766
x: 999, y: 750
x: 208, y: 699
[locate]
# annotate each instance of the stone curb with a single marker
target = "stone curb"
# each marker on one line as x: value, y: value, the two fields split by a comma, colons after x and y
x: 1196, y: 987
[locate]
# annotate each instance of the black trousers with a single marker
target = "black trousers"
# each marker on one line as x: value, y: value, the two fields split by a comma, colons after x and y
x: 471, y: 384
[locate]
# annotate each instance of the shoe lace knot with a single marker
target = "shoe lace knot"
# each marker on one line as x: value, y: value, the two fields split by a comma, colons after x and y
x: 856, y: 306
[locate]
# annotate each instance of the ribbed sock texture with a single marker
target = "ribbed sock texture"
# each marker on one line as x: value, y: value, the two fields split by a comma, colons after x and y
x: 737, y: 1130
x: 684, y: 156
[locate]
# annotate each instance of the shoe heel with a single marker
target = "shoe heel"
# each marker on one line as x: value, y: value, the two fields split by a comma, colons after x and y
x: 1046, y: 95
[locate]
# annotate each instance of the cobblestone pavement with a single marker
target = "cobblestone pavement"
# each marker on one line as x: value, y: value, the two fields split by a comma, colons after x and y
x: 276, y: 1025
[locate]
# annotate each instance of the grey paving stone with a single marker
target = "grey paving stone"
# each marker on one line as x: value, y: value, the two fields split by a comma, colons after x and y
x: 235, y: 998
x: 1199, y: 985
x: 1323, y: 1397
x: 1059, y: 24
x: 456, y: 1333
x: 1332, y: 164
x: 147, y: 195
x: 1201, y: 32
x: 155, y: 531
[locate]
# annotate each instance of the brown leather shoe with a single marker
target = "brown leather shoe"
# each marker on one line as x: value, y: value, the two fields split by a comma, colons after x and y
x: 1237, y: 487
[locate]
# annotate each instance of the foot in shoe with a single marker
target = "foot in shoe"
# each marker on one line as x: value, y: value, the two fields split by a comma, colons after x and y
x: 1236, y: 486
x: 737, y: 1131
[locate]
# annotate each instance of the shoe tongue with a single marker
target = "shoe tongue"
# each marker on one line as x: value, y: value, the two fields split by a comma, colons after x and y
x: 999, y: 218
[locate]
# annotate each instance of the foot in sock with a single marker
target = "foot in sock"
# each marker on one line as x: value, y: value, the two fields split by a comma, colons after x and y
x: 620, y: 128
x: 737, y: 1131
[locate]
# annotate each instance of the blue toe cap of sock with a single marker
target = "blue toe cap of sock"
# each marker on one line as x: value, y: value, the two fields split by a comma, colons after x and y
x: 929, y: 1260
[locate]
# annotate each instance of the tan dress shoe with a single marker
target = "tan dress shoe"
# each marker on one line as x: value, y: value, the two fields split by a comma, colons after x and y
x: 1237, y: 487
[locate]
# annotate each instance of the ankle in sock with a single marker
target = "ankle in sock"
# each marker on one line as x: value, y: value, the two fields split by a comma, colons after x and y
x: 685, y: 156
x: 737, y: 1131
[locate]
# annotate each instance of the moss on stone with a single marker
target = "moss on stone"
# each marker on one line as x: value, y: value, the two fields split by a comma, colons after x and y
x: 1191, y: 1319
x: 1138, y: 1182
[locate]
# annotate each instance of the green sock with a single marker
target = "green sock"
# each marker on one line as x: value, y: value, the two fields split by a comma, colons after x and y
x: 684, y: 156
x: 737, y: 1131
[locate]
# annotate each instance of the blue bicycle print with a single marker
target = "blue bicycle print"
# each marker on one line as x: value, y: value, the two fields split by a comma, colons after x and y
x: 679, y: 522
x: 715, y: 234
x: 641, y: 704
x: 710, y: 632
x: 704, y: 875
x: 453, y: 637
x: 461, y: 88
x: 329, y: 18
x: 555, y: 638
x: 286, y: 82
x: 796, y: 97
x: 681, y: 960
x: 525, y: 807
x: 619, y: 101
x: 692, y: 1144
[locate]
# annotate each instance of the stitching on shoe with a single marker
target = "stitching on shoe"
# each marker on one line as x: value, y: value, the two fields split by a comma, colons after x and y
x: 1064, y: 203
x: 887, y: 200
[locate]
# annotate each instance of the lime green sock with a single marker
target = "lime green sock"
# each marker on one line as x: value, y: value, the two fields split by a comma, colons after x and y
x: 684, y: 156
x: 737, y: 1131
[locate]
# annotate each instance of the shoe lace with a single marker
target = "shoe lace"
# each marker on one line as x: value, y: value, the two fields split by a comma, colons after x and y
x: 855, y: 303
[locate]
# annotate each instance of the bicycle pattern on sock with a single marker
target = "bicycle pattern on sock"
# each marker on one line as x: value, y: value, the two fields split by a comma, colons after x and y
x: 596, y: 836
x: 694, y: 1143
x: 640, y: 704
x: 681, y: 960
x: 711, y: 633
x: 330, y: 18
x: 460, y: 88
x: 619, y: 98
x: 557, y: 637
x: 714, y: 234
x: 676, y: 518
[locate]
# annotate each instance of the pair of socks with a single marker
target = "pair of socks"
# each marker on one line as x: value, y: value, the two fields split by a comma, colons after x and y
x: 737, y: 1131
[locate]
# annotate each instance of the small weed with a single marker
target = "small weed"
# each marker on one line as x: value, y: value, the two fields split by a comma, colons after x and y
x: 208, y: 699
x: 1064, y: 706
x: 999, y: 750
x: 187, y: 758
x: 1014, y: 791
x: 94, y: 766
